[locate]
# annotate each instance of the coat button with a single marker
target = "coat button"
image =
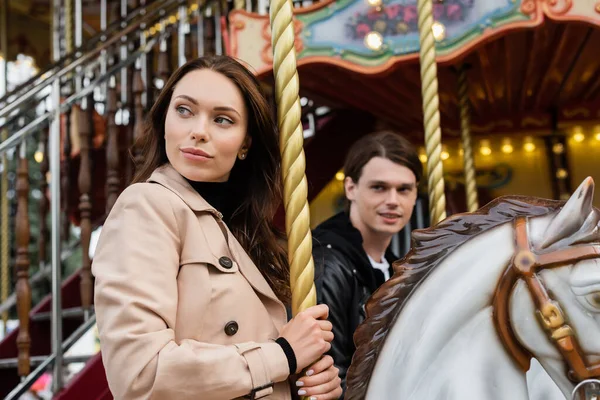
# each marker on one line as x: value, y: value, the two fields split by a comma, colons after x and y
x: 226, y: 262
x: 231, y: 328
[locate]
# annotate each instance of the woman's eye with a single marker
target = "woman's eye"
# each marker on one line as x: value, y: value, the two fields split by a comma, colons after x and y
x: 182, y: 111
x: 593, y: 299
x: 223, y: 120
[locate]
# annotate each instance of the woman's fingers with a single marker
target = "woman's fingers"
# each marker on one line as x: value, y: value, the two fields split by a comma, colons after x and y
x: 320, y: 311
x: 321, y: 381
x: 325, y: 325
x: 327, y: 382
x: 326, y: 329
x: 323, y: 364
x: 333, y: 395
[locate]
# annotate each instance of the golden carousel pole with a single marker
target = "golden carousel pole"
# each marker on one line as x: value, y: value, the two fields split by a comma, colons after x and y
x: 68, y: 26
x: 239, y: 4
x: 431, y: 113
x: 465, y: 131
x: 295, y: 191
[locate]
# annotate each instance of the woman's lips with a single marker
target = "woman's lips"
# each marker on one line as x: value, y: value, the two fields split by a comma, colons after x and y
x: 195, y: 154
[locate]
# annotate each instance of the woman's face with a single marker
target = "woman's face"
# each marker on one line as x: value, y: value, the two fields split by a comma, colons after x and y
x: 206, y: 126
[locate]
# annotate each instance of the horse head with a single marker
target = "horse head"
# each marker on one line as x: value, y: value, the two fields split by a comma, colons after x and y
x: 478, y: 297
x: 554, y: 306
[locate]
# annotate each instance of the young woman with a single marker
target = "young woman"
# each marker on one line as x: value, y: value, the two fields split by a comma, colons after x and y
x: 190, y: 279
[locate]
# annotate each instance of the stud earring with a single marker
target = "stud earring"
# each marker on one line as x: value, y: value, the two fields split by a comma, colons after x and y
x: 242, y: 156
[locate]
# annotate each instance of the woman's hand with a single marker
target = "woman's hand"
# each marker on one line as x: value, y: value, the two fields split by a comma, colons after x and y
x: 309, y: 333
x: 321, y: 381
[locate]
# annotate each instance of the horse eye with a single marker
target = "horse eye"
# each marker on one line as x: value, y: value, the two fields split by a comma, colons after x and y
x: 593, y: 299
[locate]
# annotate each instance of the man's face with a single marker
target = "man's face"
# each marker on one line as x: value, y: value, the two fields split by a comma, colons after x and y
x: 382, y: 200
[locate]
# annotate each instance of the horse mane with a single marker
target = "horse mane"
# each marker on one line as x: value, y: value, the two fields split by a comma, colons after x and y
x: 429, y: 249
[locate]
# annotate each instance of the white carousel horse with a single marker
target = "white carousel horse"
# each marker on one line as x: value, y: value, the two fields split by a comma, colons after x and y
x: 478, y: 297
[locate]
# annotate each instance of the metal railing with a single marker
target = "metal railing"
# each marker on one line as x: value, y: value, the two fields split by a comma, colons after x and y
x: 50, y: 360
x: 143, y: 11
x: 131, y: 33
x: 17, y: 138
x: 14, y: 100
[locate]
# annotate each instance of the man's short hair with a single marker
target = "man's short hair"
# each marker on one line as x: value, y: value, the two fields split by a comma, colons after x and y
x: 383, y: 144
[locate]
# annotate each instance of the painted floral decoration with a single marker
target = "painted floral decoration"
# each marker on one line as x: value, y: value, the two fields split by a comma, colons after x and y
x: 393, y: 18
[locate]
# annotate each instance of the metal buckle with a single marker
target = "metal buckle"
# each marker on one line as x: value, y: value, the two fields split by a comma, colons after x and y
x: 252, y: 394
x: 586, y: 390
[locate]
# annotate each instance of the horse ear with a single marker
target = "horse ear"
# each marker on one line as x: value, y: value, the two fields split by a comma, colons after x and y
x: 573, y: 215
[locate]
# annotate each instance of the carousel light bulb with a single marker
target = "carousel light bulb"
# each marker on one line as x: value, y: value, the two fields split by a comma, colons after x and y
x: 445, y: 154
x: 422, y: 155
x: 528, y: 144
x: 38, y: 156
x: 558, y: 148
x: 374, y: 40
x: 461, y: 152
x: 597, y: 132
x: 374, y: 3
x: 578, y: 135
x: 485, y: 148
x: 561, y: 173
x: 507, y: 146
x: 439, y: 31
x: 340, y: 176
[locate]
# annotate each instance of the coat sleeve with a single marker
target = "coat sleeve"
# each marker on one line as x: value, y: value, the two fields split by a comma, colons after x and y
x: 334, y: 288
x: 136, y: 265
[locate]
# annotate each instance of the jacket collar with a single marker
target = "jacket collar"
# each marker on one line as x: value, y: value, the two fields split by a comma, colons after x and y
x: 339, y: 232
x: 168, y: 177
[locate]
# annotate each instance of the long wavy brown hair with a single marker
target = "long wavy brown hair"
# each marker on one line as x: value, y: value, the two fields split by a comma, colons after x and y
x: 256, y: 182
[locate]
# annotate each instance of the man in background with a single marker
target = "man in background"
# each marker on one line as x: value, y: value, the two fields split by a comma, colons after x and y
x: 351, y: 250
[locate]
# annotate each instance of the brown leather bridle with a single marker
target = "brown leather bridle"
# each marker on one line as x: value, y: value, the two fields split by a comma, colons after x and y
x: 525, y: 265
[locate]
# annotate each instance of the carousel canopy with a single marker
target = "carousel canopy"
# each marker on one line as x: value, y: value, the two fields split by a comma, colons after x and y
x: 530, y: 63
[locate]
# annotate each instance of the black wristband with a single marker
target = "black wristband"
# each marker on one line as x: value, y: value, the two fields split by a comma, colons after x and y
x: 289, y: 353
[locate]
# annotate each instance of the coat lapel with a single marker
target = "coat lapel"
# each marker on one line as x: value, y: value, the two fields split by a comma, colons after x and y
x: 168, y: 177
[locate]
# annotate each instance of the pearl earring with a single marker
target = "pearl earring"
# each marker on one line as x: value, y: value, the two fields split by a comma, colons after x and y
x: 242, y: 156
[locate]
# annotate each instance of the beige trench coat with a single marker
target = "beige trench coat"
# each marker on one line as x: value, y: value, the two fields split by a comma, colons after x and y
x: 183, y: 312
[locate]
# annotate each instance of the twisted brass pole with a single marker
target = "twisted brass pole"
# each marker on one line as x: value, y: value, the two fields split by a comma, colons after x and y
x: 4, y: 245
x: 69, y: 26
x: 465, y: 132
x: 431, y: 113
x: 297, y: 218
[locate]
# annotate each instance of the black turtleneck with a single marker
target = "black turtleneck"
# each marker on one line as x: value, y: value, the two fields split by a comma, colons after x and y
x: 216, y: 194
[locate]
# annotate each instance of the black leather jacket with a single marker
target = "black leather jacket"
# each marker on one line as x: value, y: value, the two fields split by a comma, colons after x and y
x: 344, y: 279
